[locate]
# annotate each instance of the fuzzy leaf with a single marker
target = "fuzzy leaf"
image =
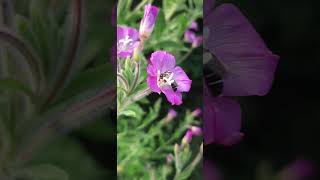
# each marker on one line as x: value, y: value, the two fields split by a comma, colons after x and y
x: 42, y: 172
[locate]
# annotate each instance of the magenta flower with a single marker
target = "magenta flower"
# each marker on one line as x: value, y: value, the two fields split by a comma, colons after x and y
x: 196, y: 130
x: 196, y: 112
x: 148, y: 22
x: 171, y: 115
x: 191, y: 37
x: 127, y: 41
x: 238, y: 64
x: 187, y: 137
x: 164, y: 76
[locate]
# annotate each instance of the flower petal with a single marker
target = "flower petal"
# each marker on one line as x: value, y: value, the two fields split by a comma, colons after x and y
x: 151, y: 70
x: 152, y: 82
x: 163, y: 61
x: 222, y: 121
x: 175, y: 98
x: 124, y: 32
x: 249, y: 63
x: 182, y: 79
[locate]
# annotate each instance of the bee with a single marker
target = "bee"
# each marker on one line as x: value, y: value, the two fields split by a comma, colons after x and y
x: 174, y: 86
x: 165, y: 79
x: 213, y: 72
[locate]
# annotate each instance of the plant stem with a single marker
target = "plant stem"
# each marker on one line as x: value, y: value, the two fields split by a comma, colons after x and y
x: 131, y: 99
x: 136, y: 77
x: 185, y: 56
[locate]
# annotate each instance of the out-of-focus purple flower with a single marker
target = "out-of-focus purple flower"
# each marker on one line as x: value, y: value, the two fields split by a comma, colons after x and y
x: 239, y: 63
x: 196, y: 112
x: 171, y: 115
x: 248, y: 65
x: 187, y: 137
x: 127, y: 41
x: 194, y: 26
x: 164, y: 76
x: 222, y: 120
x: 191, y: 37
x: 148, y: 22
x: 196, y: 130
x: 301, y: 169
x: 170, y: 158
x: 210, y: 171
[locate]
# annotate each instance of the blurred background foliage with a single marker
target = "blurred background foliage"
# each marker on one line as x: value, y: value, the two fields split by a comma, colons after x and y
x: 87, y: 152
x: 283, y: 125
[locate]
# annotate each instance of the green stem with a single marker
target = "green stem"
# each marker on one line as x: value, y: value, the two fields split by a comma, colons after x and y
x: 136, y: 77
x: 133, y: 98
x: 185, y: 56
x: 123, y: 81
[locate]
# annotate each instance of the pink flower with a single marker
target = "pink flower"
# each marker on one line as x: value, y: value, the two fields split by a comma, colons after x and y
x: 191, y: 37
x: 171, y: 115
x: 187, y: 137
x: 148, y: 22
x: 196, y: 112
x: 164, y: 76
x: 127, y: 41
x: 196, y: 131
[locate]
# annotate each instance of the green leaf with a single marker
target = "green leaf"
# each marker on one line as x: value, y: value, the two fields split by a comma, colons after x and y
x: 92, y: 79
x: 128, y: 113
x: 42, y: 172
x: 171, y: 6
x: 14, y: 85
x: 168, y: 45
x: 160, y: 25
x: 68, y: 154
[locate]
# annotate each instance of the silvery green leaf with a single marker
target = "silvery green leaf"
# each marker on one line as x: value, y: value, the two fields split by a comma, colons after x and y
x: 42, y: 172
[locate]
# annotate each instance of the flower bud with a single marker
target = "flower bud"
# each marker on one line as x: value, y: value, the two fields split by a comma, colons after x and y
x: 196, y: 112
x: 196, y: 130
x: 187, y: 137
x: 148, y: 22
x: 170, y: 158
x: 171, y: 115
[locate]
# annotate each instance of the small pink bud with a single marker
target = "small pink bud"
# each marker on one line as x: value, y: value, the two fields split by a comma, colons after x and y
x: 196, y: 112
x: 171, y: 115
x: 170, y: 158
x: 196, y: 130
x: 187, y: 137
x: 148, y: 22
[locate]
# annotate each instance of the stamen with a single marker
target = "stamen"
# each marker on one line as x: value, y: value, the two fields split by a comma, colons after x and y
x: 124, y: 43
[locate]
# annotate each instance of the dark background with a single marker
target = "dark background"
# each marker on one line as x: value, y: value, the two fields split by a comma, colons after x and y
x: 283, y: 125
